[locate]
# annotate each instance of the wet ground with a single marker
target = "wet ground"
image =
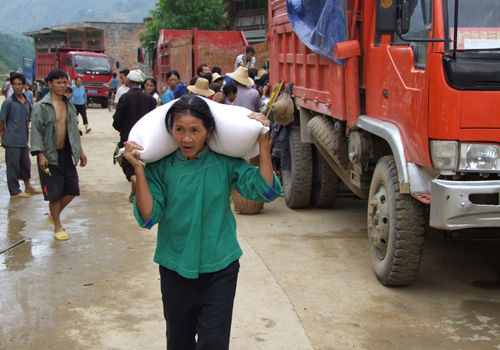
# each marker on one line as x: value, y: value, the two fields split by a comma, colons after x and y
x: 305, y: 279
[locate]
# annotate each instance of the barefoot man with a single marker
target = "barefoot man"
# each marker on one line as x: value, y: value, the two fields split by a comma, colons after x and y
x: 55, y: 141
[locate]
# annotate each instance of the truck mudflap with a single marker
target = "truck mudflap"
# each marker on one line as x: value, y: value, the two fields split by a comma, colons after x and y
x: 458, y: 205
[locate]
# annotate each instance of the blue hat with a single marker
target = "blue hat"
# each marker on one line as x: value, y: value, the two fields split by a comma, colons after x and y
x: 180, y: 90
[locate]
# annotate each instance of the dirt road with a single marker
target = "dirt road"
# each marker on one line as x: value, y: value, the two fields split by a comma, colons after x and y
x: 305, y: 280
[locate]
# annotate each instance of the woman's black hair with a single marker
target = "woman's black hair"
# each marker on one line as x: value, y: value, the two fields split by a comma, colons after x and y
x: 173, y: 72
x: 228, y: 88
x: 190, y: 105
x: 193, y: 80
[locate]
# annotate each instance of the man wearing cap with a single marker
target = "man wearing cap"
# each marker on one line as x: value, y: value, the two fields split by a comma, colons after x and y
x: 132, y: 106
x: 247, y: 96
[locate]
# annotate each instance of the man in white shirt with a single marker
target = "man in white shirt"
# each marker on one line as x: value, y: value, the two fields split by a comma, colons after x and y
x: 125, y: 85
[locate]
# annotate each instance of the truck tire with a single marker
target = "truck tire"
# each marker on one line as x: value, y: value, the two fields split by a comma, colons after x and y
x: 395, y: 227
x: 331, y: 136
x: 325, y: 183
x: 104, y: 103
x: 297, y: 182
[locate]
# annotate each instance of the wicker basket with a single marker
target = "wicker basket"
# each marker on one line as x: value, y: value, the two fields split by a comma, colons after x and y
x: 245, y: 206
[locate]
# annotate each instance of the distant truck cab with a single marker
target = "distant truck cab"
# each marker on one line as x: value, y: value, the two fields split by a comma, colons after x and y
x: 398, y: 100
x: 92, y: 66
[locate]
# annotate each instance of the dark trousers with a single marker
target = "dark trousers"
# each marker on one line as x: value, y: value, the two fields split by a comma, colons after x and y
x: 17, y: 160
x: 202, y: 306
x: 81, y: 109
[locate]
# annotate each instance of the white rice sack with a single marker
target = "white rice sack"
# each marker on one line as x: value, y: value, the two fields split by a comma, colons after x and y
x: 235, y: 134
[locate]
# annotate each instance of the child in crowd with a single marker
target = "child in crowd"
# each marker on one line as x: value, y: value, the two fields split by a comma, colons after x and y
x: 188, y: 194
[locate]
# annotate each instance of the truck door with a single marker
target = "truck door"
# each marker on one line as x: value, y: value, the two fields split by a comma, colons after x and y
x: 396, y: 84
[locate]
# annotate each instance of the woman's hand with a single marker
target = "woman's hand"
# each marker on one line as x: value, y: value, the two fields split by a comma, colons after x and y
x: 260, y: 117
x: 132, y: 154
x: 263, y: 139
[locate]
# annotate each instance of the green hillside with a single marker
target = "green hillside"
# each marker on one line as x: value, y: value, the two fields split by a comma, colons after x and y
x: 12, y: 51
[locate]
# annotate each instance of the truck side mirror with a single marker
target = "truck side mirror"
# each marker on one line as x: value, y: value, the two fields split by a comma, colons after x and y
x: 386, y: 21
x: 117, y: 64
x: 407, y: 7
x: 394, y: 15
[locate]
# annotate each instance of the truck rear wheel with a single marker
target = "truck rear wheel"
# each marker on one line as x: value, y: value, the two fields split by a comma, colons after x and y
x: 395, y: 227
x: 297, y: 182
x: 331, y: 136
x: 325, y: 183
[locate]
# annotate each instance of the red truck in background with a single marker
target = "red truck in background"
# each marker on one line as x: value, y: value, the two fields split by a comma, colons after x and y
x: 93, y: 66
x: 185, y: 50
x: 404, y: 112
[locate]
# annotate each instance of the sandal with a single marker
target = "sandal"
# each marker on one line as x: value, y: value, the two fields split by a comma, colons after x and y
x: 61, y: 236
x: 50, y: 220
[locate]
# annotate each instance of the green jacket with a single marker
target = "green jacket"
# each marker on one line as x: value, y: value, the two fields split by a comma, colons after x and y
x: 197, y: 228
x: 44, y: 130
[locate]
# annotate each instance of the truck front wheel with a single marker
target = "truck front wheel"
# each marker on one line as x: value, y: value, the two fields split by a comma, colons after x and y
x: 297, y: 182
x: 395, y: 227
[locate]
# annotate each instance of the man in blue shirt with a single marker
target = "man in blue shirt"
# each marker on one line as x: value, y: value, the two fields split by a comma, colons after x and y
x: 79, y: 99
x: 15, y: 116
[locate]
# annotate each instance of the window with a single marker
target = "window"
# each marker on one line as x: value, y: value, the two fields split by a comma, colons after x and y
x: 478, y: 24
x: 420, y: 25
x: 245, y: 5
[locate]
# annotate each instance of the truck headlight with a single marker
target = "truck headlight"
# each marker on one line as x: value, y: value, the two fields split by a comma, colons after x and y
x: 478, y: 157
x: 444, y: 156
x: 106, y: 85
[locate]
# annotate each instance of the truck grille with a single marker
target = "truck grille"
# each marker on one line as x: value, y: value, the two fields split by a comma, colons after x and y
x: 92, y: 84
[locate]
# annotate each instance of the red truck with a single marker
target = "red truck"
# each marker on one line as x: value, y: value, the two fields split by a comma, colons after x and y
x: 185, y: 50
x: 93, y: 66
x: 398, y: 100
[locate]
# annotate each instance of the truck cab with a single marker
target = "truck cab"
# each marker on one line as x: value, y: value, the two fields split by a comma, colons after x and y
x: 402, y: 110
x: 93, y: 66
x: 95, y: 70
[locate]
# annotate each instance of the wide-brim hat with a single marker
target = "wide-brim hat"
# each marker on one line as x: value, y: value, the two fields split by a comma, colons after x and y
x: 241, y: 76
x: 261, y: 73
x: 283, y: 110
x: 216, y: 76
x: 201, y: 88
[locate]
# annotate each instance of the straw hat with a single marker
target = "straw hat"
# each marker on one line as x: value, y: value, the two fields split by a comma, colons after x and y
x: 201, y: 88
x: 283, y: 110
x: 241, y: 76
x: 261, y: 73
x: 216, y: 76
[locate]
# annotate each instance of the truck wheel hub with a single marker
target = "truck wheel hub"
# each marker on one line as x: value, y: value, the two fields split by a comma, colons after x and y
x: 378, y: 225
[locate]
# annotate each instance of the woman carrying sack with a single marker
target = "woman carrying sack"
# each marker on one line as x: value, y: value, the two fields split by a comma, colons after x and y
x: 188, y: 194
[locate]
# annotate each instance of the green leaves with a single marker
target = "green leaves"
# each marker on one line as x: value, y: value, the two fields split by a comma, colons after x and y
x: 179, y: 14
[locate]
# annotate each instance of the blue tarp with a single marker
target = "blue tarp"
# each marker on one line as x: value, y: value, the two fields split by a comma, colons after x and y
x: 28, y: 69
x: 319, y: 24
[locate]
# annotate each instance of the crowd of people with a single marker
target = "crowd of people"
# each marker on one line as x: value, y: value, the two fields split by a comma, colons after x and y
x: 187, y: 193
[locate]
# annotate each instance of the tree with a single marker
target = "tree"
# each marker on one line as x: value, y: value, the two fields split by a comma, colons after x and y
x: 182, y: 14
